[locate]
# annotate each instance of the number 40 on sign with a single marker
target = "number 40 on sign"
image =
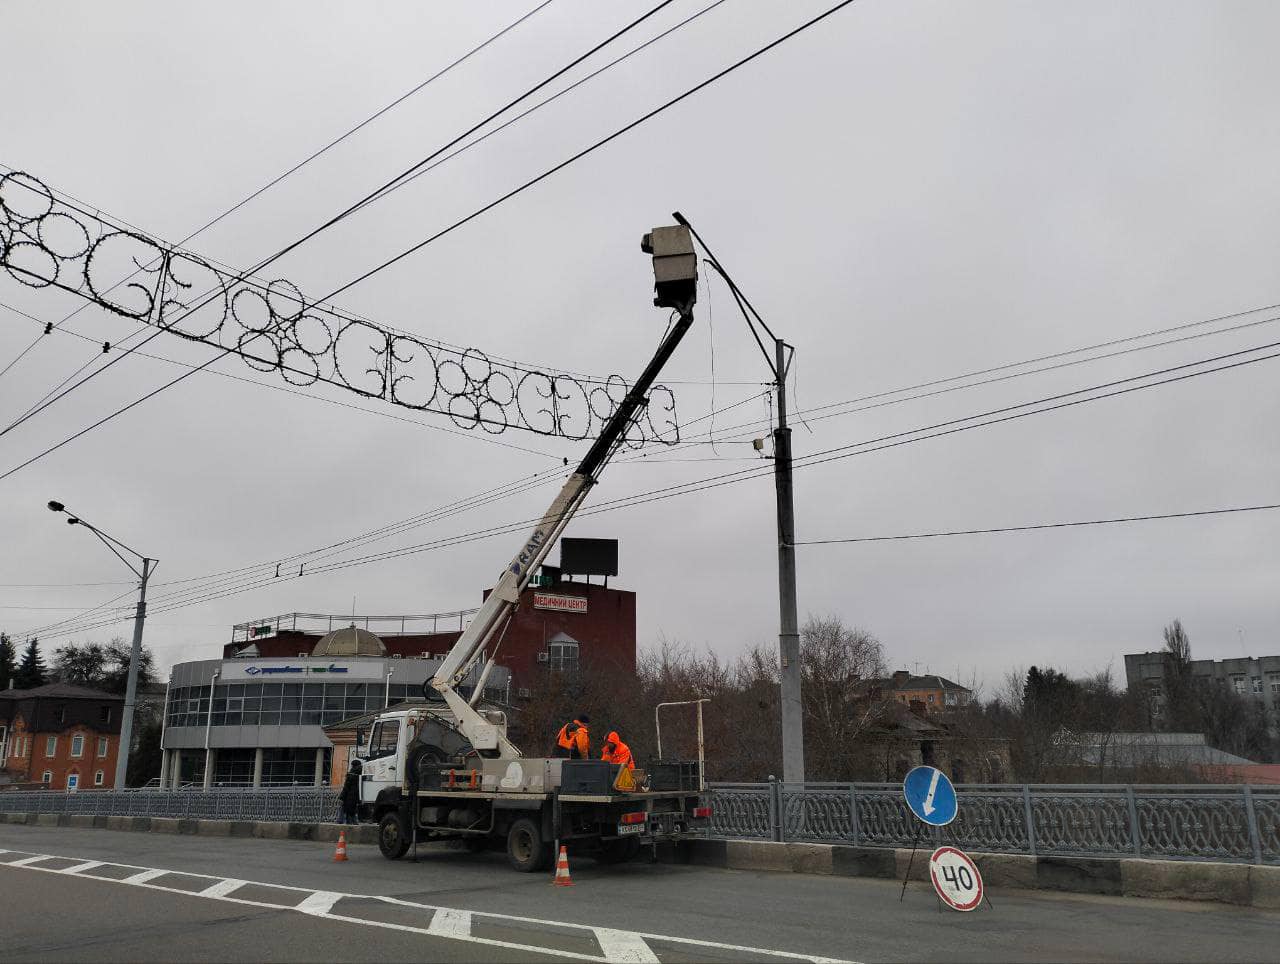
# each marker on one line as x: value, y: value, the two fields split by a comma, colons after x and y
x: 955, y: 878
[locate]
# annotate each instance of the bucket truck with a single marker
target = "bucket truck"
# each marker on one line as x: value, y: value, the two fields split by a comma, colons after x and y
x: 446, y: 769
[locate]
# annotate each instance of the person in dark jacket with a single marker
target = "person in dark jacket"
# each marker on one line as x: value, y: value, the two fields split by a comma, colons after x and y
x: 349, y: 798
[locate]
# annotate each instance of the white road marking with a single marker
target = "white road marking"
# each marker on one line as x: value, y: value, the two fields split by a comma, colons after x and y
x: 143, y: 877
x: 450, y: 923
x: 318, y: 903
x: 625, y: 946
x: 221, y: 888
x: 81, y: 868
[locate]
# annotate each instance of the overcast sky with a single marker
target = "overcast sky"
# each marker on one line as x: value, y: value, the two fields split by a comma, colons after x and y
x: 909, y: 191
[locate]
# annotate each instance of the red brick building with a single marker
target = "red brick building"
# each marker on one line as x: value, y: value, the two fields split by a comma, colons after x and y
x: 561, y: 625
x: 59, y: 736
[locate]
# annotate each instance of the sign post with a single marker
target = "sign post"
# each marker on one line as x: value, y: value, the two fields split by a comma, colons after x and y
x: 932, y: 798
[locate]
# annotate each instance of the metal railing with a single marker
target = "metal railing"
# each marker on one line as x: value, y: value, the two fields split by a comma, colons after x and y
x: 1223, y: 823
x: 1239, y: 824
x: 286, y: 805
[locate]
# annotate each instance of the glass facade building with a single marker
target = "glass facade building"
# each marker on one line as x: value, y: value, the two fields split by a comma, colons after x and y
x: 251, y: 721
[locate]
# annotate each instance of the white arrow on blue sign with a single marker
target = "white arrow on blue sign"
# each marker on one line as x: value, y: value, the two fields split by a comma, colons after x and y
x: 930, y: 795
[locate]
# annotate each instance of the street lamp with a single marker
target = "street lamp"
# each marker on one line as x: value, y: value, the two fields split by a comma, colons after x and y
x: 131, y: 688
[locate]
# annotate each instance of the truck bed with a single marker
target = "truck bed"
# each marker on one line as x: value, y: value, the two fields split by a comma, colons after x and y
x: 564, y: 797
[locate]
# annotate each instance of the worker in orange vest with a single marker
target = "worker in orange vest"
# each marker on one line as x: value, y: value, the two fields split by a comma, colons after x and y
x: 574, y: 740
x: 615, y: 751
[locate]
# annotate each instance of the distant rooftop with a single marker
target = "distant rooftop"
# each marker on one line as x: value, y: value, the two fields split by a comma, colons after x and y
x: 320, y: 624
x: 55, y: 691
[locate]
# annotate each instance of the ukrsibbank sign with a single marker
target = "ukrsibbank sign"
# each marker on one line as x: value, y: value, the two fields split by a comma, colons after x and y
x: 564, y: 604
x: 316, y: 671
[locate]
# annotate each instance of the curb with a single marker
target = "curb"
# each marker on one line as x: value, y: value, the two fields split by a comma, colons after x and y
x: 263, y: 829
x: 1241, y: 885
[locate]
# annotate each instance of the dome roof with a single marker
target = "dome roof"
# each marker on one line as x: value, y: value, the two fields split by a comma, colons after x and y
x: 349, y: 642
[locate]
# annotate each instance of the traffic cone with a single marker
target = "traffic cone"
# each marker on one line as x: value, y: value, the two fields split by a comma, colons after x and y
x: 562, y: 869
x: 340, y: 852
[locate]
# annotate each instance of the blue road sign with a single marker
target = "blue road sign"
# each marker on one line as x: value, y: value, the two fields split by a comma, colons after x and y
x: 930, y: 796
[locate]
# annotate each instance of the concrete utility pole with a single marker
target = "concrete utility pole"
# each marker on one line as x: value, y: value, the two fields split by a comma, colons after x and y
x: 789, y: 631
x: 789, y: 628
x: 135, y: 651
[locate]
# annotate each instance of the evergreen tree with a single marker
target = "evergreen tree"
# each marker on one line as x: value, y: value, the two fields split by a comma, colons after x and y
x: 6, y: 661
x: 31, y: 671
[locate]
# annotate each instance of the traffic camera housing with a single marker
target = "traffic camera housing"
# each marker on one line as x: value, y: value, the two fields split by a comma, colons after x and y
x: 675, y: 266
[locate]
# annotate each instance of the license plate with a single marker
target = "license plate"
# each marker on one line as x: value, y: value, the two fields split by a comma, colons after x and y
x: 626, y: 828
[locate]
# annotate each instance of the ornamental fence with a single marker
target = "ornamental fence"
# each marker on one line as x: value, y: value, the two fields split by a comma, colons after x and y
x: 285, y: 805
x: 1223, y: 823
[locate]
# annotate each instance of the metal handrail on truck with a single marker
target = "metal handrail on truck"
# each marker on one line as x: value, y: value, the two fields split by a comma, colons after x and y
x: 702, y: 760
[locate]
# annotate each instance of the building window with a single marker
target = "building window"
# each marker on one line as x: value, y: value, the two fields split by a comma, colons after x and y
x: 50, y: 746
x: 1239, y: 684
x: 46, y: 777
x: 98, y: 778
x: 930, y: 698
x: 1256, y: 684
x: 949, y: 699
x: 102, y: 746
x: 73, y: 781
x: 563, y: 654
x: 104, y: 714
x: 77, y: 746
x: 1275, y: 686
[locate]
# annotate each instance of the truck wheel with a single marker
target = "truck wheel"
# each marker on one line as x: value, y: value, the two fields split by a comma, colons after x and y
x: 618, y: 851
x: 393, y: 841
x: 526, y: 850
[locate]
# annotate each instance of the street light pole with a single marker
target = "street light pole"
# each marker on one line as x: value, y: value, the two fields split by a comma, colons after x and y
x: 131, y: 688
x: 788, y: 629
x: 135, y: 650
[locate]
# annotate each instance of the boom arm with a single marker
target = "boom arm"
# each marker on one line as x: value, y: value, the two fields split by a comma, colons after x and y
x: 497, y: 608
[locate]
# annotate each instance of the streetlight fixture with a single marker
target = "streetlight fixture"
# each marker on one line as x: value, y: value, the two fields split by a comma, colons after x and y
x: 135, y: 652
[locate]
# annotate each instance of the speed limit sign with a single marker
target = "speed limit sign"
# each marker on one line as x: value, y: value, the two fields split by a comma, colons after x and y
x: 955, y: 878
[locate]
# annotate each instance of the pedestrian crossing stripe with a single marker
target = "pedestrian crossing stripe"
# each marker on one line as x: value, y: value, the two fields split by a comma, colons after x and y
x: 448, y: 923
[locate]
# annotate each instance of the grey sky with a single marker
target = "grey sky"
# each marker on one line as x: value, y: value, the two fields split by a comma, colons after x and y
x: 909, y: 191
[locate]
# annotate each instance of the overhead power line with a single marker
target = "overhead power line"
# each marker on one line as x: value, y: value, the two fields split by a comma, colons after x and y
x: 730, y: 478
x: 342, y: 215
x: 713, y: 482
x: 1043, y: 525
x: 653, y: 113
x: 588, y: 150
x: 732, y: 432
x: 292, y: 170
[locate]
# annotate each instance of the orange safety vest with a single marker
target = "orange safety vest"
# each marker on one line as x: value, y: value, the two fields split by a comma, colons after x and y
x: 620, y: 754
x: 573, y: 735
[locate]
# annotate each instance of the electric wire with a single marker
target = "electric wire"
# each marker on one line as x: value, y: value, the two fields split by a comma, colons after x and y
x: 588, y: 150
x: 244, y: 275
x: 1043, y: 525
x: 735, y: 477
x: 840, y: 452
x: 288, y: 390
x: 293, y: 170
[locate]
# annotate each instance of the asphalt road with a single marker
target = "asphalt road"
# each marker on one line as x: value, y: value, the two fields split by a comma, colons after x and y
x: 454, y: 906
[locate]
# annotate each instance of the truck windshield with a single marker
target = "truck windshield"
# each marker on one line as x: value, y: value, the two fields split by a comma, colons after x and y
x: 385, y: 736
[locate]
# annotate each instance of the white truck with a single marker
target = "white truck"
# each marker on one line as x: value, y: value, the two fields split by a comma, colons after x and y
x: 447, y: 770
